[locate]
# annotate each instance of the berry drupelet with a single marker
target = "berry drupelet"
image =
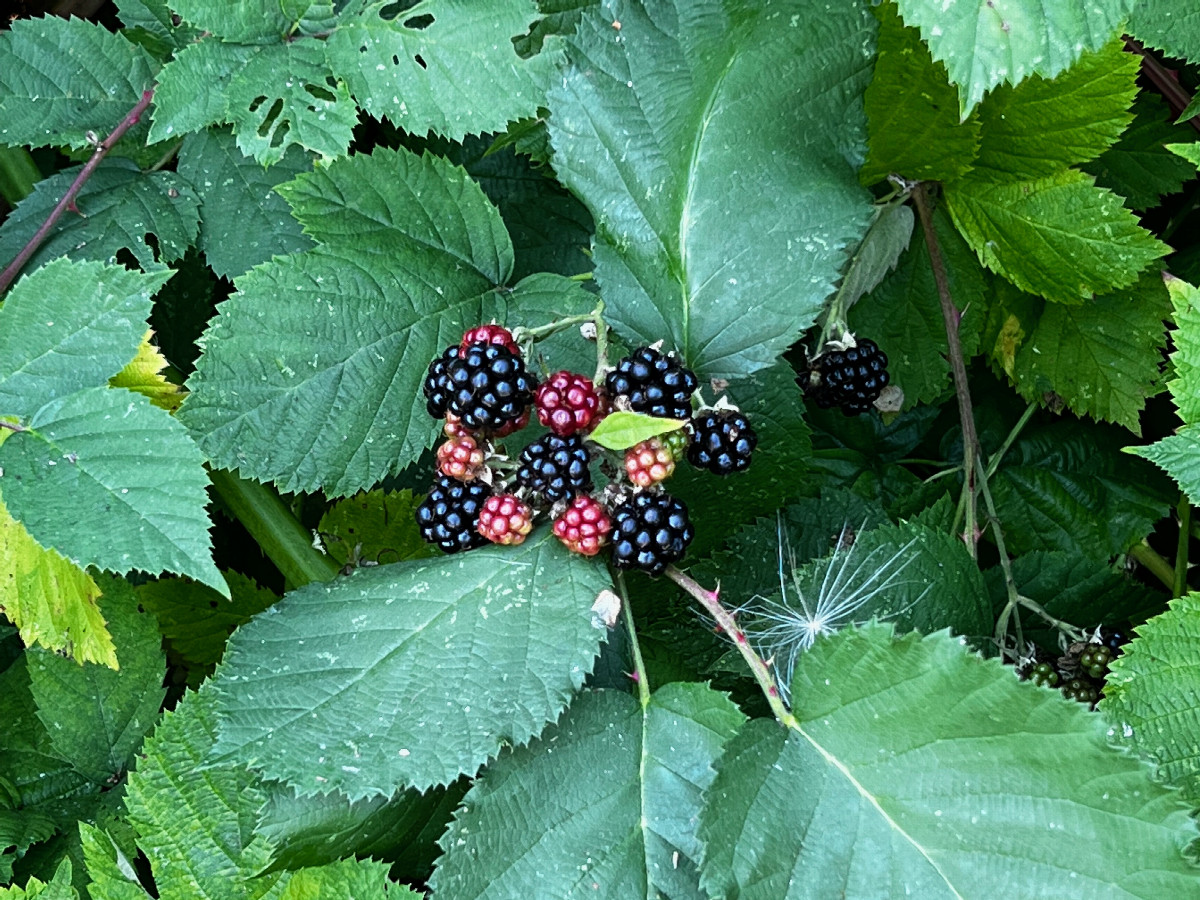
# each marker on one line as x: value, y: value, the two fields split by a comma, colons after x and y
x: 584, y: 526
x: 505, y: 519
x: 449, y: 516
x: 722, y: 442
x: 437, y: 384
x: 567, y: 403
x: 490, y: 334
x: 648, y: 463
x: 650, y: 531
x: 488, y: 386
x: 654, y: 383
x: 555, y: 468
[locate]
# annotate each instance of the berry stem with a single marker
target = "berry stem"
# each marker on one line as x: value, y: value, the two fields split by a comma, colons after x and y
x: 1164, y: 80
x: 1179, y: 588
x: 958, y: 368
x: 601, y: 342
x: 711, y: 601
x: 639, y: 665
x: 1154, y: 563
x: 994, y: 462
x: 68, y: 200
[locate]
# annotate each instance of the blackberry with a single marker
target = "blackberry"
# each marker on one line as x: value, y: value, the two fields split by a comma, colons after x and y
x: 449, y: 516
x: 488, y: 386
x: 650, y: 531
x: 852, y: 378
x: 437, y: 383
x: 722, y: 442
x: 1043, y: 674
x: 1094, y: 660
x: 490, y: 334
x: 556, y: 468
x: 655, y: 384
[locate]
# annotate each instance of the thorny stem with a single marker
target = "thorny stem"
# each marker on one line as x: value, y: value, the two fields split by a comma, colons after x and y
x: 958, y: 366
x: 711, y: 602
x: 1179, y: 588
x: 1164, y: 80
x: 639, y: 665
x: 68, y: 201
x: 1154, y: 564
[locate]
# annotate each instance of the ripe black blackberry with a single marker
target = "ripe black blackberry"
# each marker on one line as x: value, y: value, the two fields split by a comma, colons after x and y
x: 449, y: 515
x: 852, y: 378
x: 722, y: 441
x: 437, y: 383
x: 555, y: 468
x: 650, y: 531
x: 488, y: 386
x: 656, y: 384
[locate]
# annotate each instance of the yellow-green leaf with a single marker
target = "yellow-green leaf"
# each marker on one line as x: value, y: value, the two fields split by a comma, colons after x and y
x: 622, y: 430
x: 144, y: 375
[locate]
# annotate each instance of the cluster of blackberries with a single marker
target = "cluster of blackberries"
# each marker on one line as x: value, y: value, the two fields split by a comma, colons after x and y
x: 1080, y: 672
x: 483, y: 392
x: 850, y: 376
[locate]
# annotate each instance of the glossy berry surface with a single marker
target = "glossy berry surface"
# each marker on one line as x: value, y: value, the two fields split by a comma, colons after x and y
x: 555, y: 468
x: 567, y: 403
x: 584, y: 526
x: 511, y: 427
x: 437, y: 383
x: 1094, y: 660
x: 449, y: 514
x: 1043, y: 674
x: 505, y: 519
x: 853, y: 378
x: 460, y: 458
x: 490, y: 334
x: 1081, y: 690
x: 722, y: 442
x: 650, y: 531
x: 488, y: 387
x: 649, y: 463
x: 654, y: 383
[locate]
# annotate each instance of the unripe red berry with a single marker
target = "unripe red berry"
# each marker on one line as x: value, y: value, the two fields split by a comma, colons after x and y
x: 649, y: 462
x: 504, y: 519
x: 460, y: 458
x: 584, y: 526
x: 567, y: 403
x: 490, y: 334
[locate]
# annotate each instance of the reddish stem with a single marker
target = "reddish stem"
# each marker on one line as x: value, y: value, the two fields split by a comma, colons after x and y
x: 68, y: 201
x: 1164, y: 80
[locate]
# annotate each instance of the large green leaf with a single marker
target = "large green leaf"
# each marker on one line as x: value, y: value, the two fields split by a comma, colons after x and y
x: 61, y: 78
x: 1060, y: 236
x: 324, y: 390
x: 250, y: 21
x: 995, y: 789
x: 604, y: 805
x: 347, y: 879
x: 197, y: 827
x: 987, y: 44
x: 717, y: 190
x: 69, y: 326
x: 1178, y: 455
x: 1172, y: 26
x: 1152, y: 694
x: 1043, y: 125
x: 1185, y: 385
x: 96, y: 717
x: 442, y: 65
x: 192, y: 87
x: 912, y: 111
x: 58, y: 888
x: 110, y: 480
x: 118, y: 208
x: 243, y: 221
x: 409, y: 674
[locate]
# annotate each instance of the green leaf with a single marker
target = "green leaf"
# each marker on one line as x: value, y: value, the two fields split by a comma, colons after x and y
x: 912, y: 111
x: 1189, y: 151
x: 243, y: 221
x: 984, y: 46
x: 97, y: 717
x: 110, y: 872
x: 374, y: 527
x: 620, y: 430
x: 1179, y: 456
x: 1043, y: 125
x: 196, y: 619
x: 716, y: 190
x: 61, y: 78
x: 887, y: 238
x: 69, y: 326
x: 1139, y: 166
x: 410, y: 253
x: 247, y: 21
x: 197, y: 827
x: 1172, y: 26
x: 996, y: 789
x: 58, y: 888
x: 153, y: 19
x: 347, y: 879
x: 1060, y: 237
x: 1101, y: 358
x: 442, y: 66
x: 1151, y: 694
x: 1185, y: 385
x: 118, y: 207
x: 1067, y: 487
x: 192, y: 87
x: 373, y: 719
x: 904, y: 315
x: 604, y: 805
x: 109, y: 480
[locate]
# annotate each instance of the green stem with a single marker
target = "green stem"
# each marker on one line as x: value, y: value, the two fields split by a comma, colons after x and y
x: 1155, y: 564
x: 271, y: 524
x: 18, y: 174
x: 711, y: 602
x: 166, y: 158
x: 1179, y: 587
x: 601, y: 342
x: 994, y: 463
x: 639, y: 665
